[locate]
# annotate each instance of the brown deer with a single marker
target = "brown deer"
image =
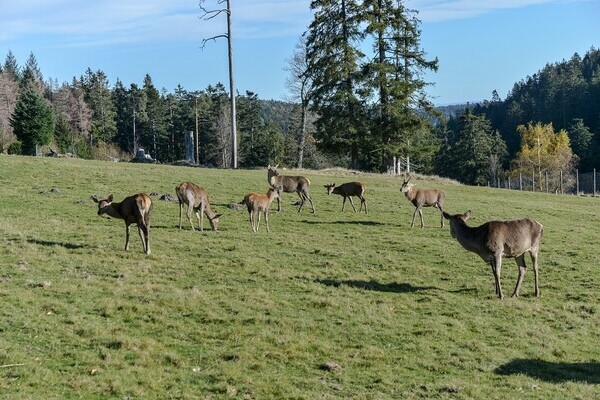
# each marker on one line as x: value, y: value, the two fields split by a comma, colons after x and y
x: 347, y: 190
x: 134, y: 209
x: 496, y: 239
x: 257, y: 203
x: 196, y: 199
x: 423, y: 198
x: 288, y: 184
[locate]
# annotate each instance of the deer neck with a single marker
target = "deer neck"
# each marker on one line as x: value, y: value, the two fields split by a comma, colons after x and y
x: 209, y: 211
x: 410, y: 193
x: 468, y: 237
x: 114, y: 210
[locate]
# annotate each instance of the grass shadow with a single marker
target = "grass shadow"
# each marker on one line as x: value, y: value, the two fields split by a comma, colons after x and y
x: 393, y: 287
x: 553, y: 372
x: 69, y: 246
x: 371, y: 223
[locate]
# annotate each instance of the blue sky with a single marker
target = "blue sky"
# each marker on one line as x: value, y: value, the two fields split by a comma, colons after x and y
x: 481, y: 45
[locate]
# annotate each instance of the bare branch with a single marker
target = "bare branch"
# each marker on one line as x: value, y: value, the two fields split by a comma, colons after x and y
x: 214, y: 39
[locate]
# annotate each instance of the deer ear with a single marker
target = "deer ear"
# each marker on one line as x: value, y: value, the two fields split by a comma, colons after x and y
x: 468, y: 214
x: 216, y: 216
x: 95, y: 198
x: 446, y: 215
x: 276, y: 165
x: 110, y: 198
x: 269, y: 166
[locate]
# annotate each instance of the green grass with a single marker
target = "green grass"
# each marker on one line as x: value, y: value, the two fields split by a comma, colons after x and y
x: 405, y: 313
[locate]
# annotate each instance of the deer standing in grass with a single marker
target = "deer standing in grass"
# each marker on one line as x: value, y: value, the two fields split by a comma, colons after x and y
x: 196, y: 199
x: 423, y: 198
x: 347, y: 190
x: 133, y: 209
x: 496, y: 239
x: 259, y: 203
x: 288, y: 184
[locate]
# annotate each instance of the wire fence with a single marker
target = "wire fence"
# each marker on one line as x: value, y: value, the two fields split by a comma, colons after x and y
x: 581, y: 184
x: 575, y: 183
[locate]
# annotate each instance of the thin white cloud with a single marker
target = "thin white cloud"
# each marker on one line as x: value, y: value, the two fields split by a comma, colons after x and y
x: 448, y: 10
x: 79, y: 23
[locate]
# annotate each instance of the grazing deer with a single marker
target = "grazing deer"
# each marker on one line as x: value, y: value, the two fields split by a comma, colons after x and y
x: 196, y: 199
x: 347, y: 190
x: 423, y: 198
x: 258, y: 203
x: 496, y: 239
x: 288, y: 184
x: 133, y: 209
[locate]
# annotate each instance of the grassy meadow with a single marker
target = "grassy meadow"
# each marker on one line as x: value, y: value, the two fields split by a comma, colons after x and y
x: 328, y: 305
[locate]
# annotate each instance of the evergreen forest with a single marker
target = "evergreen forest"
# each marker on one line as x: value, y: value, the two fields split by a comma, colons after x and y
x: 347, y: 107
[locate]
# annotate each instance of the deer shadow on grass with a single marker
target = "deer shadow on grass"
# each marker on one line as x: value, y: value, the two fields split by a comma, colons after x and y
x: 69, y: 246
x: 368, y: 223
x: 392, y: 287
x: 553, y: 372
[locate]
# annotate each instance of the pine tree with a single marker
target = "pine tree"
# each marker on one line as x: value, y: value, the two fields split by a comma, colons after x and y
x: 98, y: 97
x: 32, y: 121
x: 333, y: 58
x: 11, y: 66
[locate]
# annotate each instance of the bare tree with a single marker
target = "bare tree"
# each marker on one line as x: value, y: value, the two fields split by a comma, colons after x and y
x: 210, y: 14
x: 9, y: 91
x: 300, y: 85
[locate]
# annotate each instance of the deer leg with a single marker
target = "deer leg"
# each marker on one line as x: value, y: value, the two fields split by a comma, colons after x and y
x: 251, y: 220
x: 258, y: 220
x: 180, y: 213
x: 267, y: 220
x: 201, y: 218
x: 497, y: 268
x: 311, y: 202
x: 127, y: 231
x: 352, y: 203
x: 534, y: 259
x: 441, y: 215
x: 190, y: 210
x: 278, y: 203
x: 522, y: 268
x: 143, y: 231
x: 363, y: 201
x: 421, y: 215
x: 302, y: 199
x: 343, y: 203
x: 414, y: 215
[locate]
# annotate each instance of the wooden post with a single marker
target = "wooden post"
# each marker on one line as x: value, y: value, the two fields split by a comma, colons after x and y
x: 520, y: 181
x: 594, y: 182
x: 561, y: 182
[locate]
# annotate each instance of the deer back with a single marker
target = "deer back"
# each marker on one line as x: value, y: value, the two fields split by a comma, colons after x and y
x: 191, y: 194
x: 510, y: 238
x: 133, y: 209
x: 285, y: 182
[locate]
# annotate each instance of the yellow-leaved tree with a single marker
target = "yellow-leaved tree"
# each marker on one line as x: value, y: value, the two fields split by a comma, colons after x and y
x: 547, y: 155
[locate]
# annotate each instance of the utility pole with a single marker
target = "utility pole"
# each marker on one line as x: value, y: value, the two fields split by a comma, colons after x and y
x: 197, y: 134
x: 210, y: 14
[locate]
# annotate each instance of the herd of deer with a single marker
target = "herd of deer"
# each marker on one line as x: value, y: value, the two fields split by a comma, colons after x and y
x: 492, y: 241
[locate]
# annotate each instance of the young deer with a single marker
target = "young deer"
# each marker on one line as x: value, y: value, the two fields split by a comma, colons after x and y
x: 423, y: 198
x: 134, y: 209
x: 288, y: 184
x: 258, y: 203
x: 196, y: 199
x: 347, y: 190
x: 496, y: 239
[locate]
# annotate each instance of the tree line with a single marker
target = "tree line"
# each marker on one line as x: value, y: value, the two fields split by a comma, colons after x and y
x: 356, y: 99
x: 88, y: 117
x: 548, y: 123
